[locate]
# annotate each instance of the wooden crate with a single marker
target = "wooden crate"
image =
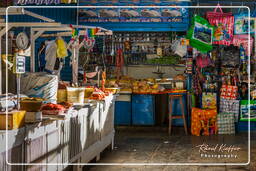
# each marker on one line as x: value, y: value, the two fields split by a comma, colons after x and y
x: 16, y: 119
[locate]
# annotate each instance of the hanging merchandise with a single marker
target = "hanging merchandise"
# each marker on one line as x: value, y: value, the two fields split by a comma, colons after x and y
x: 203, y: 121
x: 62, y: 50
x: 189, y: 65
x: 244, y: 112
x: 74, y: 36
x: 230, y: 56
x: 226, y: 123
x: 224, y: 23
x: 179, y: 48
x: 50, y: 55
x: 229, y: 92
x: 196, y: 83
x: 200, y: 34
x: 241, y: 25
x: 243, y: 40
x: 230, y: 107
x: 209, y: 100
x: 119, y: 62
x: 103, y: 82
x: 203, y: 61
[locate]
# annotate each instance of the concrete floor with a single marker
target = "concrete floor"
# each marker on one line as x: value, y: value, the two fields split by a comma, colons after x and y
x: 153, y: 145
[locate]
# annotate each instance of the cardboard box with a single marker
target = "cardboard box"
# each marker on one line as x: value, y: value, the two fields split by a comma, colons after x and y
x: 16, y: 119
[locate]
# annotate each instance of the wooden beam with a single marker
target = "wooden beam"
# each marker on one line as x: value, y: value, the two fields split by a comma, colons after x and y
x: 38, y: 16
x: 11, y: 11
x: 31, y: 24
x: 32, y: 57
x: 37, y: 34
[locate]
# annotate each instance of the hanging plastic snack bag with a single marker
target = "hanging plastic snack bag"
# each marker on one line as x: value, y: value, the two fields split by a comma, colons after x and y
x: 62, y: 51
x: 241, y: 25
x: 209, y: 100
x: 229, y: 92
x: 200, y: 34
x: 224, y: 23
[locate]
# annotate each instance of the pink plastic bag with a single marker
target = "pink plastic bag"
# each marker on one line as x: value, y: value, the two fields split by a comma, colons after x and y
x: 202, y: 62
x: 224, y: 23
x: 242, y: 39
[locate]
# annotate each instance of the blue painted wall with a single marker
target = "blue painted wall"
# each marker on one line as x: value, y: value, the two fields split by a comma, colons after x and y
x: 63, y: 15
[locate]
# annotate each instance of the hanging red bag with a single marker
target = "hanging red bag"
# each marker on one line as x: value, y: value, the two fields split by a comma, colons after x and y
x: 224, y: 23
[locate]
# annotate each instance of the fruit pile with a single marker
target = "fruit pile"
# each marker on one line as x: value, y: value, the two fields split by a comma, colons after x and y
x: 98, y: 94
x: 51, y: 106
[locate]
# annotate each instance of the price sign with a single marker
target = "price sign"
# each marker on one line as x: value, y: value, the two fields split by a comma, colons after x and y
x: 20, y: 65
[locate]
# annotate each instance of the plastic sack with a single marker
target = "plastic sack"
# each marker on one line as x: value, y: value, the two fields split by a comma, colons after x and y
x: 40, y: 85
x: 229, y: 92
x: 202, y: 62
x: 62, y: 50
x: 203, y: 121
x: 244, y: 110
x: 242, y: 40
x: 226, y: 123
x: 209, y: 101
x: 178, y: 48
x: 224, y: 23
x: 241, y: 24
x: 230, y: 106
x: 200, y: 34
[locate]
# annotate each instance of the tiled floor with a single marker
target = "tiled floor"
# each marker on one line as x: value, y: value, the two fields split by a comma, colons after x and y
x: 151, y: 145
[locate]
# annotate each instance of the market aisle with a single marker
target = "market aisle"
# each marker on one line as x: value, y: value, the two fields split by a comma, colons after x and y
x: 153, y: 145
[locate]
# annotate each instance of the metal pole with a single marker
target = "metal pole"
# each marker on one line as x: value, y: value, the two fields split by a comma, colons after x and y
x: 1, y: 65
x: 18, y: 90
x: 32, y: 57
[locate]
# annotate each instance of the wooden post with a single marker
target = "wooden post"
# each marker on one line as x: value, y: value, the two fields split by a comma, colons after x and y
x: 75, y: 66
x: 32, y: 57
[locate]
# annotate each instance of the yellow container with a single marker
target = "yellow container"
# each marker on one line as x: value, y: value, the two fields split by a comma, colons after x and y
x: 16, y: 119
x: 88, y: 92
x: 75, y: 94
x: 61, y: 95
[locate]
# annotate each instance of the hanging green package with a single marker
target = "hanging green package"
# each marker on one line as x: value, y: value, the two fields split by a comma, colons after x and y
x: 200, y: 34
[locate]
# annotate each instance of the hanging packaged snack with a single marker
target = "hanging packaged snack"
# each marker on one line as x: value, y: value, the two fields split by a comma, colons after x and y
x: 209, y: 100
x: 224, y: 23
x: 203, y: 121
x: 200, y: 34
x: 241, y: 25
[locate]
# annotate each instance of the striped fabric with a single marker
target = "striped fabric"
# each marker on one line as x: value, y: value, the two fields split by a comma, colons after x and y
x: 226, y: 123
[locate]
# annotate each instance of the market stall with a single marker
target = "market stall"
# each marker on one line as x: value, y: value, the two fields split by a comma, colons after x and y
x: 45, y: 114
x: 205, y: 63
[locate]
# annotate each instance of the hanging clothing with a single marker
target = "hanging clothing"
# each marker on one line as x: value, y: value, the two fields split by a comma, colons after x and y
x: 50, y: 54
x: 62, y: 50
